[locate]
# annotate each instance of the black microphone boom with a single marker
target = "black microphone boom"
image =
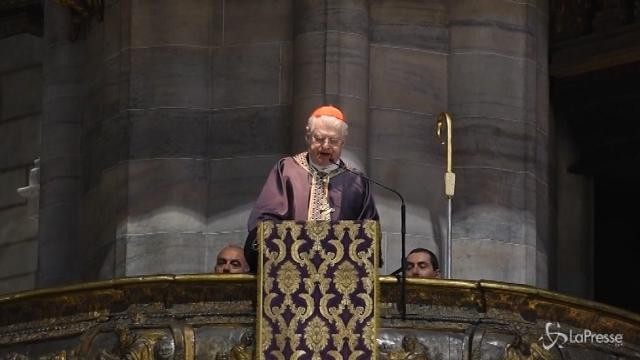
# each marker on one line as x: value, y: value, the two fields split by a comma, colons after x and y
x: 403, y: 276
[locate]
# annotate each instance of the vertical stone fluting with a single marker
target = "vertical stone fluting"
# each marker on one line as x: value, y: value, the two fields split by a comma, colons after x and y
x: 177, y: 110
x: 59, y: 260
x: 408, y: 88
x: 189, y: 112
x: 249, y: 129
x: 331, y: 62
x: 498, y: 95
x: 20, y: 122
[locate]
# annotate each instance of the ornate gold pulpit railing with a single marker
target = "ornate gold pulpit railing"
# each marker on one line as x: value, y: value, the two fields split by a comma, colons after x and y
x: 210, y: 316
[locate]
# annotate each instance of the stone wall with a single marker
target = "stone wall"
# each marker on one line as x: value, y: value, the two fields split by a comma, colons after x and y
x: 164, y: 117
x: 20, y: 118
x: 498, y: 91
x: 189, y: 110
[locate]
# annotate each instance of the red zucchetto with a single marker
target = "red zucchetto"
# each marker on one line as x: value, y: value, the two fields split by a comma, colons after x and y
x: 329, y: 111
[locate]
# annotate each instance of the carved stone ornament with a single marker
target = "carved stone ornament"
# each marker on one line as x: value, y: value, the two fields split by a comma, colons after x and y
x: 412, y: 349
x: 142, y: 345
x: 244, y: 349
x: 32, y: 191
x: 525, y: 347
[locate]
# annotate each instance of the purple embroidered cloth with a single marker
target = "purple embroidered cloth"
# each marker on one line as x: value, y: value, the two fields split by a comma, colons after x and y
x: 317, y: 290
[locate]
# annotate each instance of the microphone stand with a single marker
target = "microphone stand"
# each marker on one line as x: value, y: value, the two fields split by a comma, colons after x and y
x: 403, y: 231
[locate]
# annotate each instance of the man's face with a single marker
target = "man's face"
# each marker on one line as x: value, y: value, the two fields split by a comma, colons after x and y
x: 231, y: 260
x: 325, y: 144
x: 419, y: 264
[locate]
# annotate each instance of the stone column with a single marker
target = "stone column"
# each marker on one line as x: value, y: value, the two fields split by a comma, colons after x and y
x: 250, y: 123
x: 59, y: 260
x: 331, y: 62
x: 498, y: 93
x: 20, y: 121
x: 189, y: 112
x: 408, y: 77
x: 179, y: 110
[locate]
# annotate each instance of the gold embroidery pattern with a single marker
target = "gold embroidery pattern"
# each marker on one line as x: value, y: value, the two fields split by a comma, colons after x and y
x: 267, y: 228
x: 301, y: 159
x: 316, y: 335
x: 288, y: 278
x: 317, y: 291
x: 370, y: 337
x: 346, y: 278
x: 267, y: 337
x: 317, y: 230
x: 319, y: 207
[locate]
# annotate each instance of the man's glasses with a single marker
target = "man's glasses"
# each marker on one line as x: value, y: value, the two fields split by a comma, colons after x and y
x: 322, y: 139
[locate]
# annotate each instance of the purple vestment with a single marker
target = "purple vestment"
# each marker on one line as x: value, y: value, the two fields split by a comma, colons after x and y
x: 287, y: 191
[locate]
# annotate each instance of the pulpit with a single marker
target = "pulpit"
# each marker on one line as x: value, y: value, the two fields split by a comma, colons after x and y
x: 317, y: 290
x: 215, y: 316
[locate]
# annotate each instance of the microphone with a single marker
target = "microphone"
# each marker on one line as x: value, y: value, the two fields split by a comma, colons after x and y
x: 403, y: 221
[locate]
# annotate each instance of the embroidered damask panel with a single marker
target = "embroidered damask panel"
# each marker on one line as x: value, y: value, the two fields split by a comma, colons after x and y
x: 318, y: 290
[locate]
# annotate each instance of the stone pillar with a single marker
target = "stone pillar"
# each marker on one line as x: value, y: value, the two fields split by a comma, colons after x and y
x: 59, y: 260
x: 249, y: 127
x: 408, y: 77
x: 20, y: 120
x: 189, y: 112
x: 179, y: 110
x: 498, y: 93
x: 331, y: 65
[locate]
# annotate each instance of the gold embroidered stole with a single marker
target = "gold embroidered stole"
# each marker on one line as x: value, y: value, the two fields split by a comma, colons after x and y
x: 319, y: 207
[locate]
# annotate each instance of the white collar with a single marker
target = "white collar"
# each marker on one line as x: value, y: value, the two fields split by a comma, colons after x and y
x: 326, y: 169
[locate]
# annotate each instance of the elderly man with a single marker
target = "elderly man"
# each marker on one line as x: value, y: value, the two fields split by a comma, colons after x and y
x: 422, y: 263
x: 310, y: 185
x: 231, y: 260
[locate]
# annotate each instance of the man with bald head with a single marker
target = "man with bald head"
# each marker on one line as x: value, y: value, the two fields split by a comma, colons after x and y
x: 231, y: 260
x: 311, y: 185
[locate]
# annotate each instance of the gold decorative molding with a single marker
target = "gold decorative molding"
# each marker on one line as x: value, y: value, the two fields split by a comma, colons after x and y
x: 206, y: 315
